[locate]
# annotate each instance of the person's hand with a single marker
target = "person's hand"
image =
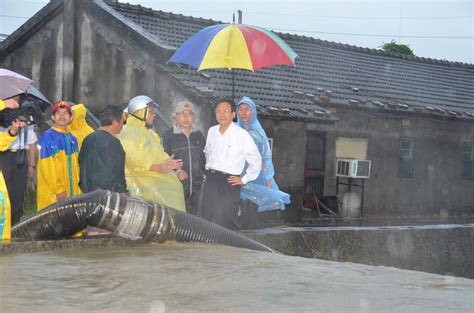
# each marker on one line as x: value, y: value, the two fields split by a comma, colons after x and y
x: 182, y: 175
x: 171, y: 164
x: 16, y: 125
x: 235, y: 180
x: 31, y: 172
x: 167, y: 166
x: 61, y: 196
x: 11, y: 103
x: 268, y: 184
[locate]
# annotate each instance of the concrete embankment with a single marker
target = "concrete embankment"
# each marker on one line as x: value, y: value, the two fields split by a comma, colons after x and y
x: 443, y: 249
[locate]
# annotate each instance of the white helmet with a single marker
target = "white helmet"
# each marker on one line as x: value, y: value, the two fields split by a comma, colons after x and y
x: 138, y: 103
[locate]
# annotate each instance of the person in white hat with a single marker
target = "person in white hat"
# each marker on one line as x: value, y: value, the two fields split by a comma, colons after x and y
x: 187, y: 143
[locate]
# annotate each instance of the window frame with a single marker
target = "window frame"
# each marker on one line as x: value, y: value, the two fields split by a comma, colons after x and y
x: 463, y: 173
x: 401, y: 159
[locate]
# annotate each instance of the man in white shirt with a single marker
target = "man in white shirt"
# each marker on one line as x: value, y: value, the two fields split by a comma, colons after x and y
x: 18, y: 165
x: 228, y: 149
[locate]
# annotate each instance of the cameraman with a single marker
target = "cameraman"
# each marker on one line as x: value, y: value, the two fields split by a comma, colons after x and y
x: 18, y: 165
x: 6, y: 139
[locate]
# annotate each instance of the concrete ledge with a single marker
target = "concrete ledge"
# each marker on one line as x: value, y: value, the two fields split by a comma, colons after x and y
x: 40, y: 246
x: 441, y: 249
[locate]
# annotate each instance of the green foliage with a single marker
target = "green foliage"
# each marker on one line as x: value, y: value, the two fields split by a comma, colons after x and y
x: 29, y: 207
x: 394, y: 47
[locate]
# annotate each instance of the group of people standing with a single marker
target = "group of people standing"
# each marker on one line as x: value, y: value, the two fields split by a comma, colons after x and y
x: 223, y: 178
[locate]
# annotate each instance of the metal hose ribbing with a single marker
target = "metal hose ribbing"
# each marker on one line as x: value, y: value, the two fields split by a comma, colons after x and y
x: 61, y: 219
x: 192, y: 228
x: 126, y: 216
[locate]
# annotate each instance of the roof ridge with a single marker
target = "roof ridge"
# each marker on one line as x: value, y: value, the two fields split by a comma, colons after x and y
x: 374, y: 51
x: 328, y: 43
x: 115, y: 3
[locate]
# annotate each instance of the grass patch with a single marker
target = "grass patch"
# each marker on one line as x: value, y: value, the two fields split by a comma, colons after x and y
x: 29, y: 206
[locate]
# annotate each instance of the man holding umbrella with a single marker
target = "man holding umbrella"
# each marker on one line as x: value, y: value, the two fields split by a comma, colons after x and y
x: 11, y: 86
x: 6, y: 139
x: 18, y: 165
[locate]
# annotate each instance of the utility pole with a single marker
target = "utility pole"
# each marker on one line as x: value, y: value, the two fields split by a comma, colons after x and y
x: 239, y: 21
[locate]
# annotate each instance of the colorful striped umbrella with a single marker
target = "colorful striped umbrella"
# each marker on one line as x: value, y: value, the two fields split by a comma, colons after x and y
x: 234, y: 46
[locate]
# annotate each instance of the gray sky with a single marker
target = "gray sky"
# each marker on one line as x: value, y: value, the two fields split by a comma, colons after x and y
x: 434, y: 29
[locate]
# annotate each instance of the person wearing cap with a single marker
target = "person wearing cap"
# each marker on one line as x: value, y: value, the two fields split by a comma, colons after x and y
x: 58, y: 166
x: 6, y: 139
x: 149, y: 170
x: 187, y: 143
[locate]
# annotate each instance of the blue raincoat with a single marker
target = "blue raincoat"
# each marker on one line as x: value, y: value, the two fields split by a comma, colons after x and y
x: 256, y: 191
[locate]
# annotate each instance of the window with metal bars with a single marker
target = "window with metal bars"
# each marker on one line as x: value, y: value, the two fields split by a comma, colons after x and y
x: 405, y: 166
x: 468, y: 160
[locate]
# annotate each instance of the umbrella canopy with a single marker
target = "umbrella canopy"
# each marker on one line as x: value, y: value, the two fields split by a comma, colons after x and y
x: 234, y: 46
x: 31, y: 90
x: 12, y: 84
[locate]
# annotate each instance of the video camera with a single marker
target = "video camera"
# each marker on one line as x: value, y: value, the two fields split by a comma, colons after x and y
x: 31, y: 111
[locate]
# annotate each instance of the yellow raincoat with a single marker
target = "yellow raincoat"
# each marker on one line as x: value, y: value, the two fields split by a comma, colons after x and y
x: 58, y: 166
x: 79, y: 127
x: 143, y: 148
x: 5, y: 218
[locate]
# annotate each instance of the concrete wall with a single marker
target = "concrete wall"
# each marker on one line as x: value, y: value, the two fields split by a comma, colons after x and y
x: 441, y: 249
x: 39, y: 56
x: 104, y: 62
x: 436, y: 188
x: 289, y: 150
x: 116, y: 64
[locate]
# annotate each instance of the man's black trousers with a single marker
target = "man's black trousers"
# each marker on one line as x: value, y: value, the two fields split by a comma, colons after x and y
x: 16, y: 178
x: 221, y: 201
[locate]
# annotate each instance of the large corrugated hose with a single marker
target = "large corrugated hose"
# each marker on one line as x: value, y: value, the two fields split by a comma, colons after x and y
x: 129, y: 217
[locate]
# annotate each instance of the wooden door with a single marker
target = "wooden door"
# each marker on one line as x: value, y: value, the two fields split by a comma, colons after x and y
x: 314, y: 168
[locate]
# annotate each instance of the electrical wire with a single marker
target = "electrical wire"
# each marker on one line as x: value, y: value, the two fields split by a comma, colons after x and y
x: 372, y: 35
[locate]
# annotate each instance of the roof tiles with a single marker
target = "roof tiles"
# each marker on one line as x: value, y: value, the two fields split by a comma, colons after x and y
x: 324, y: 72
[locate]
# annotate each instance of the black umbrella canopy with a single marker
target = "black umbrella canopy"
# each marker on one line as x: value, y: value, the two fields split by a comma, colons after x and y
x: 32, y: 92
x: 33, y: 105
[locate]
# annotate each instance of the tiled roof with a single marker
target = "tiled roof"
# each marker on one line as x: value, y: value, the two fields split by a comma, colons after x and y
x: 325, y: 73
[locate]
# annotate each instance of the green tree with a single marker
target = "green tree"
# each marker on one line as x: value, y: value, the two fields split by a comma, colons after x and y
x: 395, y: 47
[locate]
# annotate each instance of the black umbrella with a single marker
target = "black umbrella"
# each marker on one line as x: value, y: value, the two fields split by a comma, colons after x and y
x: 32, y: 92
x: 33, y: 104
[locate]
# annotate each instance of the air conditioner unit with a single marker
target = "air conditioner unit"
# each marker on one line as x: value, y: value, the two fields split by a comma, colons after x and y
x: 352, y: 168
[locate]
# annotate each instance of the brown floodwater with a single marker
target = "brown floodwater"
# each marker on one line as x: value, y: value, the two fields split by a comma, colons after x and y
x: 175, y: 277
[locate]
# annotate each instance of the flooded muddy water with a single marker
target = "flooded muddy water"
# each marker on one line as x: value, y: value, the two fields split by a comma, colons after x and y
x: 176, y: 277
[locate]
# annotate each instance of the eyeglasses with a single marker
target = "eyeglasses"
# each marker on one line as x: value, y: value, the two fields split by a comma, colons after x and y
x: 225, y: 111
